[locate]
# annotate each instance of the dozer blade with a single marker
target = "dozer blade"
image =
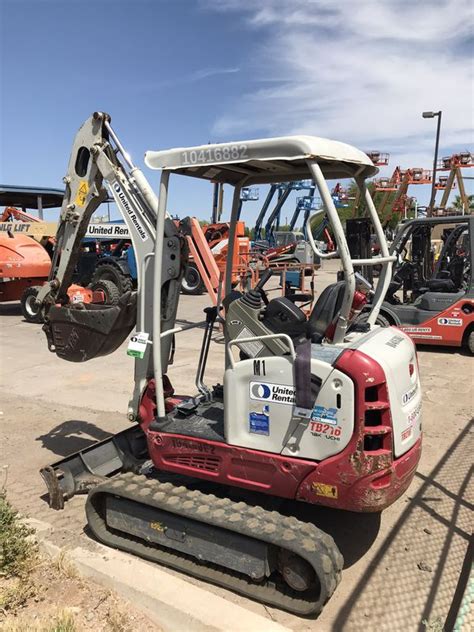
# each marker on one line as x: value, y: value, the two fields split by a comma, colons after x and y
x: 125, y: 451
x: 81, y: 332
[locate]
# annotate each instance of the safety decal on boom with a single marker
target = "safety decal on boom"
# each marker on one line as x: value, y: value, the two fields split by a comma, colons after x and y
x: 82, y: 192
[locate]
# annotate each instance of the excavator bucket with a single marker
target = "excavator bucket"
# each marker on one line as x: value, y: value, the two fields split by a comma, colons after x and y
x: 84, y: 331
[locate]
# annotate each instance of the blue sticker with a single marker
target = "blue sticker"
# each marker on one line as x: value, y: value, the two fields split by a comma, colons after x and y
x: 259, y: 423
x: 326, y: 415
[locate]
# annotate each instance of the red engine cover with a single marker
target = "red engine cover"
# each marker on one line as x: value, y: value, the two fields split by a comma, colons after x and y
x: 363, y: 477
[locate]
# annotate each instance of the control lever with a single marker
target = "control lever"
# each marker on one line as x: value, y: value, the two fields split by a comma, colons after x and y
x: 257, y: 293
x: 211, y: 315
x: 263, y: 279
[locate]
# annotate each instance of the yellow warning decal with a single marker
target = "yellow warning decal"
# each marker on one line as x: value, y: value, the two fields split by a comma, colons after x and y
x: 157, y: 526
x: 82, y: 192
x: 322, y: 489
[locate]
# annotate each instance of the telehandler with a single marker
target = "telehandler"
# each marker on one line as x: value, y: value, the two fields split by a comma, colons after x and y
x: 312, y: 409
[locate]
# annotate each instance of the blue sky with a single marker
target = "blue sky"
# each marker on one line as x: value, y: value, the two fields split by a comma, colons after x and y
x: 185, y: 72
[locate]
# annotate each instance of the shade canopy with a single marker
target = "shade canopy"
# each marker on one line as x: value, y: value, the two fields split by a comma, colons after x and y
x: 265, y: 160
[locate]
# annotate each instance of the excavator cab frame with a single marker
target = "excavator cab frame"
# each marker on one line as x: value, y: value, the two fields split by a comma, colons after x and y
x: 271, y: 161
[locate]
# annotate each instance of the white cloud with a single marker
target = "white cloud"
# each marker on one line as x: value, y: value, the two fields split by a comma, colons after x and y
x: 361, y: 71
x: 193, y: 77
x: 204, y: 73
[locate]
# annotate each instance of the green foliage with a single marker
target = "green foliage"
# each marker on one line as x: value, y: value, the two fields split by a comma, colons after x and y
x: 383, y: 201
x: 458, y: 204
x: 63, y: 622
x: 17, y: 556
x: 15, y: 594
x: 16, y: 549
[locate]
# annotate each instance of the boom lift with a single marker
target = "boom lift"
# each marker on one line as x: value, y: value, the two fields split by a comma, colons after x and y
x: 454, y: 164
x: 289, y: 247
x: 306, y: 203
x: 399, y: 182
x: 283, y: 189
x: 208, y: 246
x: 341, y: 195
x: 316, y: 410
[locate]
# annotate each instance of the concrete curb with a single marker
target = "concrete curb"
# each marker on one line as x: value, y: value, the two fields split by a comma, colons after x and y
x: 171, y: 602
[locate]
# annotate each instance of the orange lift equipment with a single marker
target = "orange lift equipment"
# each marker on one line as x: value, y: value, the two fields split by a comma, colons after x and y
x: 340, y: 194
x: 454, y: 164
x: 400, y: 180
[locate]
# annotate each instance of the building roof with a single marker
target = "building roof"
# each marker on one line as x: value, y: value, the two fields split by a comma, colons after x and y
x: 27, y: 197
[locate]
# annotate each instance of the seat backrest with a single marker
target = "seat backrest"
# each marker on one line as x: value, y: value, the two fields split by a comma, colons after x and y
x: 325, y: 309
x: 441, y: 285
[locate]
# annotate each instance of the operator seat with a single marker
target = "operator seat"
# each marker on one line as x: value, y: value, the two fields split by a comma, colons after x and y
x: 325, y: 311
x: 442, y: 283
x: 283, y: 316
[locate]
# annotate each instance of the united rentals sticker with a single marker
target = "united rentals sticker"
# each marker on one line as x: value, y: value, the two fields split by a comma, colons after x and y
x: 409, y: 395
x: 453, y: 322
x: 278, y: 393
x: 130, y: 212
x: 108, y: 230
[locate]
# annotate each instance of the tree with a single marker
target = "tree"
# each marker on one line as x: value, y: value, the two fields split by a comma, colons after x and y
x: 357, y: 206
x: 458, y: 203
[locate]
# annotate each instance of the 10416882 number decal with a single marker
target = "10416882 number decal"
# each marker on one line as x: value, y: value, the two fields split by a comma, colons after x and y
x: 226, y: 153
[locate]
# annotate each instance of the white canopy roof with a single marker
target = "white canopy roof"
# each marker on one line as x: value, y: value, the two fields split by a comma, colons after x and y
x: 264, y: 160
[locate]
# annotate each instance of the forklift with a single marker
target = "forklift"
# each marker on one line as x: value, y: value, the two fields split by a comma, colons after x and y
x: 317, y: 409
x: 433, y: 300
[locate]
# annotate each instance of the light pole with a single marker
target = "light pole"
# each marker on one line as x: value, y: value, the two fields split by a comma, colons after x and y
x: 433, y: 183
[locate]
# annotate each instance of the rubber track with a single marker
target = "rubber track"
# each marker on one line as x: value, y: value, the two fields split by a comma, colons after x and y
x: 304, y: 539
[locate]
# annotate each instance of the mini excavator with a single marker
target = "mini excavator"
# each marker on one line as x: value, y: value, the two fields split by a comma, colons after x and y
x: 317, y: 408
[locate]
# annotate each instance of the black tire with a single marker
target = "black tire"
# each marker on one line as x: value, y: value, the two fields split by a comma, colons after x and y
x: 112, y: 272
x: 110, y: 290
x: 192, y: 282
x: 29, y: 307
x: 470, y: 342
x: 382, y: 321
